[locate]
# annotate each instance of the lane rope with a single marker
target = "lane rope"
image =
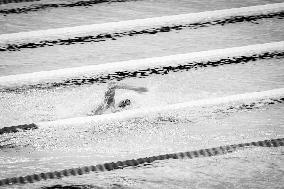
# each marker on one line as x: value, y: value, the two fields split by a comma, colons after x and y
x: 237, y: 102
x: 114, y: 30
x: 38, y: 7
x: 140, y: 68
x: 15, y: 1
x: 18, y: 128
x: 140, y: 161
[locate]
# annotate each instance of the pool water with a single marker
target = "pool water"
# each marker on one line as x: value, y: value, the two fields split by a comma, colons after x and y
x: 142, y: 46
x: 46, y: 105
x: 108, y: 12
x: 50, y: 149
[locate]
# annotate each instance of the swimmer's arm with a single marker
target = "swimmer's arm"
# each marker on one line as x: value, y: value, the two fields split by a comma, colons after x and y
x: 99, y: 110
x: 133, y: 88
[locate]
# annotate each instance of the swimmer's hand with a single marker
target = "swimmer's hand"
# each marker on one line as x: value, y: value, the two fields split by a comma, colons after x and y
x: 141, y: 89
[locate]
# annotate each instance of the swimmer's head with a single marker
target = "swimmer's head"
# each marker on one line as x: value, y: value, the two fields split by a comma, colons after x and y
x: 124, y: 103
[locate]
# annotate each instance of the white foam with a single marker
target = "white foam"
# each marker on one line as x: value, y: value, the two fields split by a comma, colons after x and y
x: 139, y: 24
x: 132, y: 65
x: 128, y: 114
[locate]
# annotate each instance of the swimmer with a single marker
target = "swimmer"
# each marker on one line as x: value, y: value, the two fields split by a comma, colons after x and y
x: 109, y: 101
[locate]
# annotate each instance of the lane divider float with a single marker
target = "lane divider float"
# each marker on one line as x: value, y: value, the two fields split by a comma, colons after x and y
x: 140, y: 68
x: 114, y: 30
x: 15, y: 1
x: 209, y: 152
x: 238, y: 102
x: 42, y: 6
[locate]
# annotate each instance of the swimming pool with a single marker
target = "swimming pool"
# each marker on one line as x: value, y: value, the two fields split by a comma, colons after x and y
x: 56, y: 148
